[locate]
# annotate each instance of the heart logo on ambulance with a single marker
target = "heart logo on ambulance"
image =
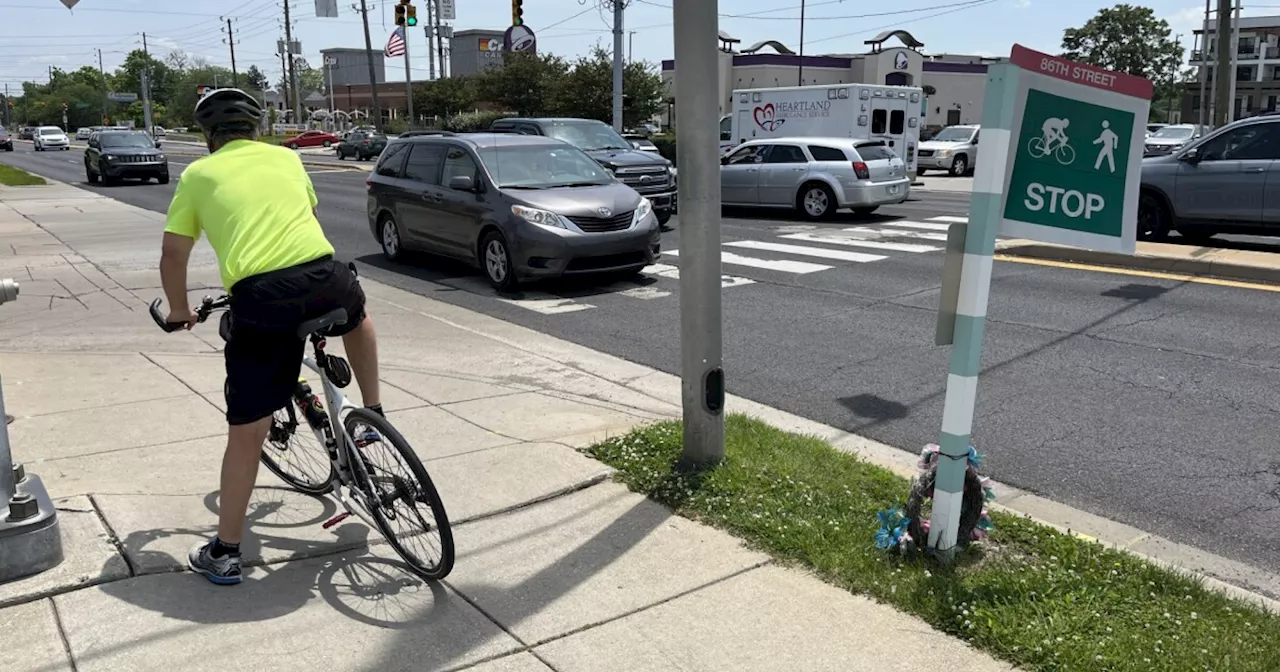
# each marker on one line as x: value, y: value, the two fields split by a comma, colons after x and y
x: 767, y: 118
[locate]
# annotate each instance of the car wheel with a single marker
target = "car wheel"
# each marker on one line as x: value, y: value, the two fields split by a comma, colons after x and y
x: 389, y: 237
x: 292, y: 145
x: 339, y: 154
x: 90, y: 176
x: 816, y: 201
x: 920, y: 172
x: 328, y: 143
x: 959, y: 166
x: 863, y: 212
x: 162, y: 179
x: 496, y: 261
x: 1153, y: 218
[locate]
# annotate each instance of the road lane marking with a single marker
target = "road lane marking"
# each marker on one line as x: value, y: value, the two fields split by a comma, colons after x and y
x: 1157, y: 275
x: 927, y: 226
x: 950, y: 219
x: 644, y: 293
x: 673, y: 273
x: 547, y: 304
x: 780, y: 265
x: 923, y: 235
x: 857, y: 242
x: 859, y: 257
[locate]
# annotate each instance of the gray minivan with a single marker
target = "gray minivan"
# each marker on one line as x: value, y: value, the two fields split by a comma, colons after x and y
x: 518, y: 207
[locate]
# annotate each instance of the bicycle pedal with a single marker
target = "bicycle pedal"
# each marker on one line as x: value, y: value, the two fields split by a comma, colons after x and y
x: 336, y: 519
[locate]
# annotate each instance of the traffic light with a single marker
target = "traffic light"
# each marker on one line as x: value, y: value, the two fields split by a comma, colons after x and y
x: 517, y: 12
x: 400, y: 12
x: 411, y: 15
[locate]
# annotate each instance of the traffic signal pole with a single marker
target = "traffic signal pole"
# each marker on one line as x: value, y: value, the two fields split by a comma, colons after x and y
x: 373, y: 78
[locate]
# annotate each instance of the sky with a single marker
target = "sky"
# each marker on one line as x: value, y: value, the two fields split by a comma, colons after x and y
x: 52, y: 35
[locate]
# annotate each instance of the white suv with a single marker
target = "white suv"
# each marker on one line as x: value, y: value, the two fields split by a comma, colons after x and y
x: 50, y: 137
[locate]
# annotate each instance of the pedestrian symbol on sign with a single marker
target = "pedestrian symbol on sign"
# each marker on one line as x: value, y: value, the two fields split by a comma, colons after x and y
x: 1108, y: 139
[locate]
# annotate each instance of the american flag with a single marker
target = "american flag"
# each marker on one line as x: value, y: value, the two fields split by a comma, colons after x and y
x: 395, y: 45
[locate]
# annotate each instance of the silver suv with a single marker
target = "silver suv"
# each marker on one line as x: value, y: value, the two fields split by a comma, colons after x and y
x: 816, y: 176
x: 1225, y: 182
x: 954, y: 149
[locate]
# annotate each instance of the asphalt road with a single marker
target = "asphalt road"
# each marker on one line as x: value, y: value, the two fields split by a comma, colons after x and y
x: 1146, y: 400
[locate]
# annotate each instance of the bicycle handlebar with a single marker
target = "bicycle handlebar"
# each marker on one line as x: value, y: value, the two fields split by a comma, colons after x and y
x: 206, y: 308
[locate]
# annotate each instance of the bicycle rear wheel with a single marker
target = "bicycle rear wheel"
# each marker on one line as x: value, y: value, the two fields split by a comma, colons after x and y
x: 397, y: 489
x: 296, y: 456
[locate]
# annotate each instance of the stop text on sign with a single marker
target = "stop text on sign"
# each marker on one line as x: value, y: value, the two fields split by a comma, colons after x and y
x: 1073, y: 203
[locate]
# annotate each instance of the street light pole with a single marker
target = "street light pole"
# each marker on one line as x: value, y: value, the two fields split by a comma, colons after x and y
x: 697, y: 96
x: 800, y: 61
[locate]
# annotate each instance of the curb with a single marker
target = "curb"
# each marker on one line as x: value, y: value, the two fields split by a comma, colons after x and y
x: 1141, y: 260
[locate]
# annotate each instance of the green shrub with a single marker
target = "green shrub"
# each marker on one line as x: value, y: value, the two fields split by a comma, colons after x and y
x: 666, y: 145
x: 470, y: 122
x: 396, y: 126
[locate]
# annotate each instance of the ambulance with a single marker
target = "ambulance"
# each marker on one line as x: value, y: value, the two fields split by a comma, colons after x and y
x: 857, y: 111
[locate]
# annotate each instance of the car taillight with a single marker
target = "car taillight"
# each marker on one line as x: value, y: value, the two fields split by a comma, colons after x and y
x: 860, y: 169
x: 368, y: 182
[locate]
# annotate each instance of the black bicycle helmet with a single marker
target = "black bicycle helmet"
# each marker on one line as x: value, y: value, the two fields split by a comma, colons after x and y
x: 222, y: 108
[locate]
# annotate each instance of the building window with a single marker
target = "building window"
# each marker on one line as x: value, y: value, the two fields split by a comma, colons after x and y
x: 953, y: 117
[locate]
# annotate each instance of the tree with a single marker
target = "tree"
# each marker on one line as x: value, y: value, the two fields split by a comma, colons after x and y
x: 128, y: 77
x: 445, y: 97
x: 526, y: 83
x: 1127, y: 39
x: 588, y: 90
x: 255, y: 79
x: 310, y: 79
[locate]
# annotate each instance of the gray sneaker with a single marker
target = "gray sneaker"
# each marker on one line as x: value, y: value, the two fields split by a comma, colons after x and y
x: 223, y: 571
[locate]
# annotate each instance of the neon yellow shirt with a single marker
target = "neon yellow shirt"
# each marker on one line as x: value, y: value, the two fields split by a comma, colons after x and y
x: 255, y: 203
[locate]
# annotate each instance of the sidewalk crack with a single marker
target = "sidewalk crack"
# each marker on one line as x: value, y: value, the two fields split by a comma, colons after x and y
x: 62, y: 635
x: 112, y: 536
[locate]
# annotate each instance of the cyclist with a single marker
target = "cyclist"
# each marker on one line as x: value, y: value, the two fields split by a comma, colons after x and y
x: 1054, y: 132
x: 256, y: 204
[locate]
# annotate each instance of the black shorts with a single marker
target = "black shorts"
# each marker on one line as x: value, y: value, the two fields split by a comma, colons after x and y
x: 264, y: 352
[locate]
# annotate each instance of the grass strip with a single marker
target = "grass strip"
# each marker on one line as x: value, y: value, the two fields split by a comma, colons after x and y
x: 1033, y: 596
x: 13, y: 177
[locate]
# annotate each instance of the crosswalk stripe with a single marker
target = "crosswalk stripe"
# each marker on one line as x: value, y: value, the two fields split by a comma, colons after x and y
x: 950, y: 219
x: 900, y: 234
x: 781, y: 265
x: 857, y: 242
x: 824, y: 253
x: 927, y: 226
x: 645, y: 293
x: 672, y: 273
x: 547, y: 304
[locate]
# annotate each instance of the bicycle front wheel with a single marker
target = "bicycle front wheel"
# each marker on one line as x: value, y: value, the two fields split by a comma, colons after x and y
x: 400, y: 496
x: 1066, y: 155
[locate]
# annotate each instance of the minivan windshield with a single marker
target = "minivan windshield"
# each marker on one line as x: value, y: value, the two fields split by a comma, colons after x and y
x: 125, y: 140
x: 954, y: 134
x: 1175, y: 132
x: 542, y: 167
x: 589, y: 136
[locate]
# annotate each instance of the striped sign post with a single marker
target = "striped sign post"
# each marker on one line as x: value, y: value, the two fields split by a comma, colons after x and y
x: 1073, y: 183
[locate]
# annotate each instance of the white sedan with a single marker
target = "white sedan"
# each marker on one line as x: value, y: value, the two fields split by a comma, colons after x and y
x: 50, y: 137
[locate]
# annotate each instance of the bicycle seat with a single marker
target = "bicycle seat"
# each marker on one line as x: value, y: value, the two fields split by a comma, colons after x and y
x: 329, y: 319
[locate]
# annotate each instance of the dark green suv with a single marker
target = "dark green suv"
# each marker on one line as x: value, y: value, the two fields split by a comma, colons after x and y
x: 362, y: 145
x: 113, y: 155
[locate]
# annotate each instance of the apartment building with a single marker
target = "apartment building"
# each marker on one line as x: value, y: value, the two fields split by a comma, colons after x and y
x: 1255, y: 66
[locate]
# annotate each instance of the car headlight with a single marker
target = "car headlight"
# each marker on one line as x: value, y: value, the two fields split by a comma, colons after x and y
x: 944, y: 152
x: 539, y: 217
x: 108, y: 157
x: 160, y: 157
x: 644, y: 210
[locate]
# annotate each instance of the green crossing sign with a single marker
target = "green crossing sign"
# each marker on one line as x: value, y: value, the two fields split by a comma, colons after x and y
x: 1075, y: 153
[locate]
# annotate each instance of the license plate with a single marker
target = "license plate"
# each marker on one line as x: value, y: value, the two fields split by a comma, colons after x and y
x: 893, y: 189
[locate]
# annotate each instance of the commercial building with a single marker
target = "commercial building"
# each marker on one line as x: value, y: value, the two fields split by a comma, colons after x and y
x: 351, y: 66
x: 958, y: 81
x: 471, y: 51
x: 1255, y: 66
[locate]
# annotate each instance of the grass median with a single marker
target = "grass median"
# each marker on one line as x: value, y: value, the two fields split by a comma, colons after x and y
x: 1030, y: 595
x: 13, y: 177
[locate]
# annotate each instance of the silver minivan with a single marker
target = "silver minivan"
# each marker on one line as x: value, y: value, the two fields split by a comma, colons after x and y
x: 815, y: 176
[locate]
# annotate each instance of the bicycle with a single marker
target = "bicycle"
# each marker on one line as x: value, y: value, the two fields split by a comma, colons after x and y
x: 1063, y: 152
x: 351, y: 479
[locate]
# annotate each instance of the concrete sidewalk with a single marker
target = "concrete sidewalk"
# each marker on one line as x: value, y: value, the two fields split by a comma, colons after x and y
x: 558, y: 568
x: 1218, y: 262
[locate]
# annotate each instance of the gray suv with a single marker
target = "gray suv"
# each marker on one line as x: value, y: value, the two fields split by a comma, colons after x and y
x: 1226, y: 182
x: 518, y: 207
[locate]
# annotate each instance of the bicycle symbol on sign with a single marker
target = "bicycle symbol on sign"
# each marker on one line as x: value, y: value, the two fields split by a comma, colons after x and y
x: 1054, y: 142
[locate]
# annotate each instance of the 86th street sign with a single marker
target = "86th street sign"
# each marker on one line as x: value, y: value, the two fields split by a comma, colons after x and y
x: 1075, y: 154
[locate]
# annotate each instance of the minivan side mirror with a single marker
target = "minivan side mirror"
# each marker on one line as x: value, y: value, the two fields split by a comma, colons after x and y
x: 462, y: 183
x: 724, y: 160
x: 1191, y: 155
x: 157, y: 144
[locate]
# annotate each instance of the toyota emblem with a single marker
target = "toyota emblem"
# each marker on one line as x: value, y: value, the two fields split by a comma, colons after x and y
x: 645, y: 178
x: 604, y: 212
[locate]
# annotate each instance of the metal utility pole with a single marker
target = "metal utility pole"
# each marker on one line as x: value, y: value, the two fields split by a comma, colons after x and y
x: 440, y: 37
x: 293, y: 80
x: 631, y: 36
x: 408, y: 80
x: 284, y: 75
x: 105, y: 93
x: 146, y: 88
x: 430, y: 30
x: 7, y: 105
x: 373, y: 78
x: 1223, y: 74
x: 1175, y: 91
x: 231, y: 42
x: 698, y: 109
x: 1235, y: 52
x: 618, y: 7
x: 1204, y: 66
x: 800, y: 62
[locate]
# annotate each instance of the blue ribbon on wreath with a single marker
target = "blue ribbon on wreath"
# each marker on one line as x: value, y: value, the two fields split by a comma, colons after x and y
x: 893, y: 525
